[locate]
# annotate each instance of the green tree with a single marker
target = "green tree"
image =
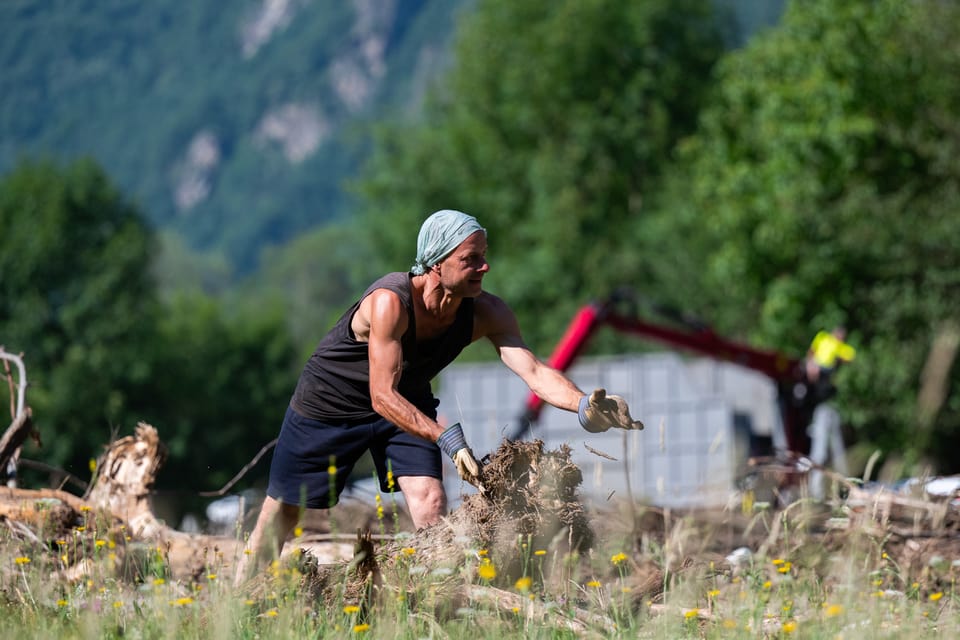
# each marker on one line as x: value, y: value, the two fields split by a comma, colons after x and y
x: 223, y: 380
x: 822, y: 187
x: 102, y: 353
x: 552, y: 129
x: 314, y: 278
x: 76, y: 298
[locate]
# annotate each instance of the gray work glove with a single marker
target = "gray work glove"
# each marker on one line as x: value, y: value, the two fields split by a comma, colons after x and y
x: 599, y: 412
x: 452, y: 443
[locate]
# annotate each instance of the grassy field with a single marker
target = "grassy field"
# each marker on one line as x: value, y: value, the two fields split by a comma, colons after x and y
x: 807, y: 571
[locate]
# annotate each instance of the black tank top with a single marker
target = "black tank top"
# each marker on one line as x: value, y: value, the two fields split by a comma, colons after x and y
x: 335, y: 383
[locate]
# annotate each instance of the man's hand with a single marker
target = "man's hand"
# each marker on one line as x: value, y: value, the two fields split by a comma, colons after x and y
x: 467, y: 466
x: 599, y: 412
x: 452, y: 443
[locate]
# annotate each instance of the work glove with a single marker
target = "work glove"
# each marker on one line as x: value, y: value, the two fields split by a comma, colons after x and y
x: 599, y: 412
x: 452, y: 443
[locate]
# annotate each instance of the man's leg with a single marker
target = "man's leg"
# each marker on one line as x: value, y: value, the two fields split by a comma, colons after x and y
x: 274, y: 524
x: 425, y: 499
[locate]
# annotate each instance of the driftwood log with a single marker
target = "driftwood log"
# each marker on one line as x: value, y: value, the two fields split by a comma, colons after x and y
x: 117, y: 506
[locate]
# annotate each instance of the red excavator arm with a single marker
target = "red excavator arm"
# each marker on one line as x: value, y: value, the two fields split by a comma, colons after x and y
x: 619, y: 313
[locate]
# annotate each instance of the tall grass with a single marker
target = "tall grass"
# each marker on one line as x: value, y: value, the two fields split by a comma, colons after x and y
x: 673, y: 580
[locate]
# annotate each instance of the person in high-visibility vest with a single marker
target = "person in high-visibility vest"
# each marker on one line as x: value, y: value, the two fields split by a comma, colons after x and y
x: 827, y: 352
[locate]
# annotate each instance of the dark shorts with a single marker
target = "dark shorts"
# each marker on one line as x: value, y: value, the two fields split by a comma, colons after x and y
x: 307, y: 449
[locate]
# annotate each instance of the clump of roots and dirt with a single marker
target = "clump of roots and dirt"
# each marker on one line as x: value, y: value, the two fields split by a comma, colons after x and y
x: 528, y: 501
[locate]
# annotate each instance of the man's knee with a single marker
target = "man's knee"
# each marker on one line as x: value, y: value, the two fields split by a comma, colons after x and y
x: 276, y: 519
x: 425, y: 499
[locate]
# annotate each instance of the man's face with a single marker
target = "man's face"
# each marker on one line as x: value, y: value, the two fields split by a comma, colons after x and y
x: 462, y: 271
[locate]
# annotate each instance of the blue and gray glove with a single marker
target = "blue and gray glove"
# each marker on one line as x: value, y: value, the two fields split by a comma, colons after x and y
x: 452, y: 443
x: 599, y: 412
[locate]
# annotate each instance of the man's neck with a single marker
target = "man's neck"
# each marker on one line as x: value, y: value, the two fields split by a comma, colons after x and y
x: 437, y: 302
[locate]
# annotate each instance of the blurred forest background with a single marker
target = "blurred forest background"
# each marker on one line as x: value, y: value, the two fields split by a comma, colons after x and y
x: 191, y: 193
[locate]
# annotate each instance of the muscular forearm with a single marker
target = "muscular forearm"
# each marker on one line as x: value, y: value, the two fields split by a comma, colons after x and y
x: 555, y: 388
x: 398, y: 410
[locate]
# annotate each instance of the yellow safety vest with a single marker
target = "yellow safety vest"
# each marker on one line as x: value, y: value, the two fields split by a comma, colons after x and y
x: 827, y: 349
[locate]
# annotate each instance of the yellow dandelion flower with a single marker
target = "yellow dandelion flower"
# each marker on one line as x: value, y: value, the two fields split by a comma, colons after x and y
x: 692, y: 613
x: 22, y: 560
x: 351, y: 608
x: 594, y: 583
x: 540, y: 552
x: 99, y: 544
x: 877, y: 594
x: 516, y: 609
x: 915, y: 585
x: 81, y: 528
x: 767, y: 584
x: 408, y: 551
x: 61, y: 542
x: 62, y: 603
x: 482, y: 553
x: 182, y: 602
x: 360, y: 628
x: 297, y: 532
x: 778, y: 561
x: 789, y: 627
x: 618, y: 558
x: 332, y: 469
x: 64, y: 558
x: 247, y: 552
x: 885, y: 556
x: 159, y: 581
x: 249, y: 602
x: 877, y: 582
x: 86, y: 508
x: 713, y: 593
x: 833, y: 610
x: 785, y: 567
x: 211, y: 576
x: 487, y: 571
x: 523, y: 584
x: 272, y: 613
x: 936, y: 596
x: 92, y: 464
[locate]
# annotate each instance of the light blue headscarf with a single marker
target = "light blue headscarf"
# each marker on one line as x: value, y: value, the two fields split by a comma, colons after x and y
x: 440, y: 234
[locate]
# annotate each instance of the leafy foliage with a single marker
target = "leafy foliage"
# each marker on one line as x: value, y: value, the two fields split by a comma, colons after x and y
x: 819, y: 190
x: 552, y: 130
x: 102, y: 352
x: 76, y: 298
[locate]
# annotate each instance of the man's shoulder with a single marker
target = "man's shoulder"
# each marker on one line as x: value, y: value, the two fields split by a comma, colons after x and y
x: 487, y: 302
x: 492, y: 316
